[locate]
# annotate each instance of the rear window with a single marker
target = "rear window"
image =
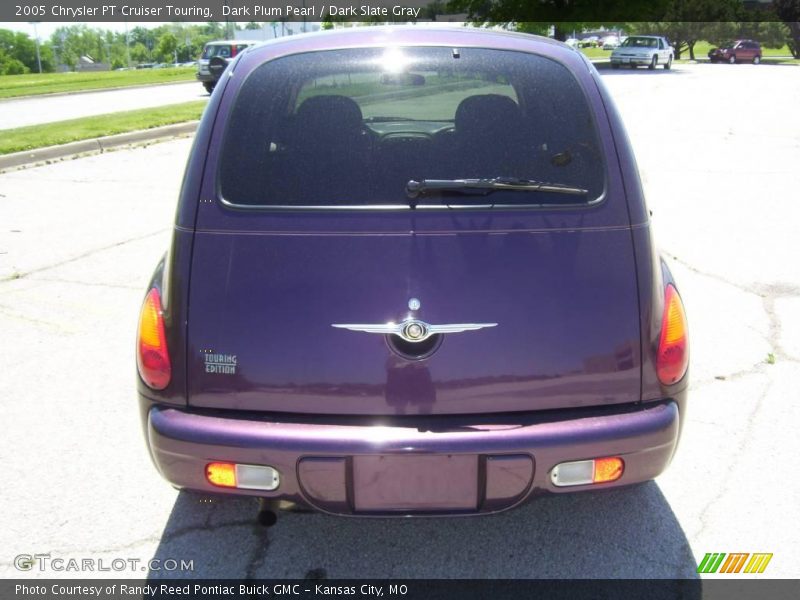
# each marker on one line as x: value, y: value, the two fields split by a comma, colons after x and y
x: 358, y: 127
x: 212, y: 50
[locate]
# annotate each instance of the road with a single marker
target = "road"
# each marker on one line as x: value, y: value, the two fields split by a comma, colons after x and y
x: 34, y: 110
x: 718, y: 148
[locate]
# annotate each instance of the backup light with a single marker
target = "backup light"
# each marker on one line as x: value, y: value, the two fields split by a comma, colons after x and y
x: 585, y: 472
x: 244, y: 477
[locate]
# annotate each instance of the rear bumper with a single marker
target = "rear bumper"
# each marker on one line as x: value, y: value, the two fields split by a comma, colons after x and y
x: 497, y: 462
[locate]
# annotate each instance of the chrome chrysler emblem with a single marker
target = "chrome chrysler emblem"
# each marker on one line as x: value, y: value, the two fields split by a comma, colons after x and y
x: 412, y: 330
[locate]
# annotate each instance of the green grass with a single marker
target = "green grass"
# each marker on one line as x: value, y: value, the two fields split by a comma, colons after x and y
x: 701, y: 53
x: 12, y: 86
x: 62, y: 132
x: 596, y: 52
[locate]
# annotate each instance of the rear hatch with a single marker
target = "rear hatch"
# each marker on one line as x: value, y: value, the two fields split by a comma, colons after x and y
x: 314, y: 231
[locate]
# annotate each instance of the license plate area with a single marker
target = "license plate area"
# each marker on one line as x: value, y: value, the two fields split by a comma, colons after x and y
x: 415, y: 483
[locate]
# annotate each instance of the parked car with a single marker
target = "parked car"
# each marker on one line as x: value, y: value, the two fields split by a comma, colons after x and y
x: 215, y: 58
x: 738, y: 51
x: 650, y: 50
x: 437, y: 300
x: 610, y: 42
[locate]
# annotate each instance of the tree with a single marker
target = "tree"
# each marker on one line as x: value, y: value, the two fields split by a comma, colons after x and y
x: 10, y: 65
x: 166, y: 47
x: 687, y: 21
x: 788, y: 11
x: 76, y: 41
x: 770, y: 34
x: 140, y: 53
x: 18, y: 47
x: 566, y: 15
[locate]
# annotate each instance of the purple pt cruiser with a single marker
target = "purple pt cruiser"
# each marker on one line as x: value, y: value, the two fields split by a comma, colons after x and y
x: 411, y: 273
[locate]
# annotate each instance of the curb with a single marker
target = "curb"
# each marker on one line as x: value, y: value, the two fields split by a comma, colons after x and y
x: 94, y: 145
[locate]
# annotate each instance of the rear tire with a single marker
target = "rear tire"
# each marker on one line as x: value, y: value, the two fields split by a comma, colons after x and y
x: 209, y: 85
x: 668, y: 64
x: 756, y: 60
x: 653, y: 63
x: 732, y: 60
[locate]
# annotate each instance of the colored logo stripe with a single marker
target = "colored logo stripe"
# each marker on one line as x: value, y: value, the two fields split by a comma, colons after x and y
x: 758, y: 563
x: 710, y: 562
x: 733, y: 564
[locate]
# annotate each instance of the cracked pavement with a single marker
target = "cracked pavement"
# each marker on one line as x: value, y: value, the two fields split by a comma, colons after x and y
x: 719, y: 149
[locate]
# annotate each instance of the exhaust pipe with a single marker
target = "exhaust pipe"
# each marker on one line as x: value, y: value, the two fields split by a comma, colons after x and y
x: 267, y: 515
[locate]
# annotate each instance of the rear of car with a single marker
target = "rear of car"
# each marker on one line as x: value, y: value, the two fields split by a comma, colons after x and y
x: 411, y: 273
x: 214, y: 59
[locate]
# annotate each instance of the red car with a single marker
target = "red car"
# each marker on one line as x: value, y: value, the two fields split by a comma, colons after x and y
x: 738, y: 51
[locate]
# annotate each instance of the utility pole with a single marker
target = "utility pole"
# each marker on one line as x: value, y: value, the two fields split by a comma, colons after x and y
x: 228, y: 35
x: 127, y: 44
x: 36, y: 38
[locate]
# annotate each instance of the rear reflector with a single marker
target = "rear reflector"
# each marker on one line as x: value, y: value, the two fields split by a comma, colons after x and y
x: 673, y: 348
x: 152, y: 357
x: 607, y: 469
x: 221, y: 474
x: 584, y: 472
x: 244, y: 477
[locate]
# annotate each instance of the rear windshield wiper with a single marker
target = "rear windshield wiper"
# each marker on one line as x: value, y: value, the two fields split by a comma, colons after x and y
x: 415, y: 189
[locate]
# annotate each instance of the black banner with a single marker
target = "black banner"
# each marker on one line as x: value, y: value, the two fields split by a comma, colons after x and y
x: 549, y: 11
x: 409, y: 589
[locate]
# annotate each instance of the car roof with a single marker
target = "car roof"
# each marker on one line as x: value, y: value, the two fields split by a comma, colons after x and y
x: 220, y: 42
x: 413, y: 35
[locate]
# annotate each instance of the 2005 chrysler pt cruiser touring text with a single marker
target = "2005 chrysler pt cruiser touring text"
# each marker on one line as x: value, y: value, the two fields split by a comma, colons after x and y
x: 411, y: 272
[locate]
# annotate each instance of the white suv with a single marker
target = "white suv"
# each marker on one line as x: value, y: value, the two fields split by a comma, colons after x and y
x: 215, y: 57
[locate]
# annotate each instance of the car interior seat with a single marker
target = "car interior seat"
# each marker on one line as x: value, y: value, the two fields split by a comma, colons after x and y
x: 489, y: 136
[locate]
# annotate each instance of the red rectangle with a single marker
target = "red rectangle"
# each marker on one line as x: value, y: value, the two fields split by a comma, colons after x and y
x: 423, y: 483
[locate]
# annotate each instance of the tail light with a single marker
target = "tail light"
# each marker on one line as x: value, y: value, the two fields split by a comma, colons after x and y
x: 584, y: 472
x: 245, y: 477
x: 152, y: 357
x: 673, y: 347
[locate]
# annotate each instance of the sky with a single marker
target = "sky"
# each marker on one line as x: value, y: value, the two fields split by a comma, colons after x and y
x: 46, y: 29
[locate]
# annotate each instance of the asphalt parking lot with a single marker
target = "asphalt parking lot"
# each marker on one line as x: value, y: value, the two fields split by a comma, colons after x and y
x: 718, y: 148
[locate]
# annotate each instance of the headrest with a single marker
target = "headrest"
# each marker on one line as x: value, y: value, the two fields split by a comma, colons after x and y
x: 487, y: 112
x: 329, y: 115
